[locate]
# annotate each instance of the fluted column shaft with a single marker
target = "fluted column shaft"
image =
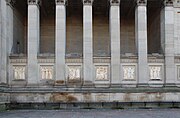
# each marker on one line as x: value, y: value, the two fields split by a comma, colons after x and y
x: 87, y: 42
x: 141, y: 41
x: 60, y: 41
x: 115, y: 41
x: 33, y: 41
x: 167, y: 41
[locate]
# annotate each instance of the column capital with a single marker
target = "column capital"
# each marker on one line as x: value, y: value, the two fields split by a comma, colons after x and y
x: 114, y: 2
x: 177, y: 3
x: 141, y: 2
x: 11, y: 3
x: 33, y: 2
x: 87, y: 2
x: 60, y: 2
x: 168, y: 2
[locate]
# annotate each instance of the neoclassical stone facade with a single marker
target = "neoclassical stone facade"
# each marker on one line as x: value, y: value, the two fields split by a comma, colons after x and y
x: 89, y: 50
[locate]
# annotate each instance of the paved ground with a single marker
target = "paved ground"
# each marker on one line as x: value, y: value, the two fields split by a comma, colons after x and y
x: 133, y: 113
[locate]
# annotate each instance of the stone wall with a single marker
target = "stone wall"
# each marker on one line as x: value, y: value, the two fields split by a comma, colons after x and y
x: 154, y: 42
x: 4, y: 99
x: 128, y: 36
x: 19, y: 34
x: 61, y: 97
x: 101, y: 35
x: 47, y: 34
x: 74, y: 34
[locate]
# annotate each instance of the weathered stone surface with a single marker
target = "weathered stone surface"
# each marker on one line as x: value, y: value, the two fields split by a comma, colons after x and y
x: 91, y: 97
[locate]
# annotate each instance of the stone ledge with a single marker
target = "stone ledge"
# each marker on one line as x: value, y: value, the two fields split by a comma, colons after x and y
x: 93, y: 105
x: 64, y: 97
x: 50, y: 89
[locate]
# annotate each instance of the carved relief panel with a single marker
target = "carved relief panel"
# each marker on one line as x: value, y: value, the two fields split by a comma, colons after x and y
x: 102, y: 72
x: 47, y: 72
x: 74, y: 72
x: 155, y: 72
x: 129, y: 72
x: 19, y: 72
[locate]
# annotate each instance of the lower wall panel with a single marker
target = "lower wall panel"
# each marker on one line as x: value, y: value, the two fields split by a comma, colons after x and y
x: 92, y: 97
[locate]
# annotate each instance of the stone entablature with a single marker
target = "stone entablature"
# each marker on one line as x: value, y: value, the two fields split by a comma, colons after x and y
x: 102, y: 60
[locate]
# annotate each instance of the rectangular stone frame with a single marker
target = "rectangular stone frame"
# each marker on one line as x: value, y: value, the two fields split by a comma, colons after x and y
x: 102, y: 83
x: 129, y: 83
x: 156, y: 83
x: 66, y: 75
x: 12, y: 81
x: 45, y: 82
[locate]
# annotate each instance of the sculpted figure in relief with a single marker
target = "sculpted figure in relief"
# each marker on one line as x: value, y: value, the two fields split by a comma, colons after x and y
x: 155, y: 72
x: 101, y: 73
x: 19, y: 72
x: 46, y: 72
x: 129, y: 72
x: 74, y: 72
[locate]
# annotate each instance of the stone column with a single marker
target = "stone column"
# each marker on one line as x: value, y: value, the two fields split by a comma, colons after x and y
x: 115, y: 41
x: 87, y: 42
x: 33, y: 41
x: 167, y: 41
x: 141, y: 41
x: 10, y: 7
x: 1, y: 39
x: 3, y: 42
x: 60, y: 41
